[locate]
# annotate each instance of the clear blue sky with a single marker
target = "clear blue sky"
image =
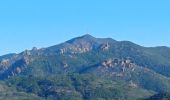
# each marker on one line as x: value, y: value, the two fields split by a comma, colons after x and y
x: 42, y: 23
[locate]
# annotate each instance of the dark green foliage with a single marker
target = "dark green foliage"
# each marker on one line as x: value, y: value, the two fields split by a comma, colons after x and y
x: 9, y: 92
x: 160, y: 96
x: 73, y: 87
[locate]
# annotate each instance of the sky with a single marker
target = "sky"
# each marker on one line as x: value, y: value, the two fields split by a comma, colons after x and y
x: 41, y: 23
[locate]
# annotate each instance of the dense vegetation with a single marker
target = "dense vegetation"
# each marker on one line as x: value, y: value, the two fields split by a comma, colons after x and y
x: 160, y: 96
x: 75, y: 87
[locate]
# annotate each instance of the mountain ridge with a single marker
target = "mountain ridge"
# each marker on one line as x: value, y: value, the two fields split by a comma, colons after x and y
x: 86, y: 36
x: 86, y: 43
x: 134, y: 66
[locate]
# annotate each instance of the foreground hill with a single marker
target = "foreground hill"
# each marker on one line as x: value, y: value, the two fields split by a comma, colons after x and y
x: 89, y: 68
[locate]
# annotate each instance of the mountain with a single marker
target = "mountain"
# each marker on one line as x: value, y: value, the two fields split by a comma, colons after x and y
x: 88, y: 68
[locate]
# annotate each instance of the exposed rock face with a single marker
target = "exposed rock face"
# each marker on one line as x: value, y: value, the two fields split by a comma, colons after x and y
x: 14, y: 65
x: 114, y: 62
x: 83, y: 44
x: 108, y: 63
x: 117, y: 67
x: 74, y: 50
x: 18, y: 70
x: 62, y: 51
x: 65, y: 65
x: 26, y: 59
x: 80, y: 49
x: 132, y: 84
x: 105, y: 47
x: 4, y: 62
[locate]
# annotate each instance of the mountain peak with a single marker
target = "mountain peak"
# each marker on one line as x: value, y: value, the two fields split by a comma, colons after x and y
x: 87, y: 36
